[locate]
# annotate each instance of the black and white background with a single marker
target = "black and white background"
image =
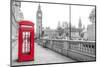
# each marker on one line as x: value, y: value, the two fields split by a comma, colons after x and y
x: 5, y: 32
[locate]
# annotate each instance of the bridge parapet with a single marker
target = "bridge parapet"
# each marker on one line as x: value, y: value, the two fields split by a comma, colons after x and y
x: 78, y: 50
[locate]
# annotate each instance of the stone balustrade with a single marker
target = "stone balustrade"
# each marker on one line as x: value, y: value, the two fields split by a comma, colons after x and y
x: 78, y: 50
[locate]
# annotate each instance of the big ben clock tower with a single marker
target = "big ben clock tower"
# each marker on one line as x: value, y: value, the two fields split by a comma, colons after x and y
x: 39, y: 22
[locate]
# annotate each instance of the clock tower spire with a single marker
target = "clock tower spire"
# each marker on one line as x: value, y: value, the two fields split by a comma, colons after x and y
x: 39, y: 22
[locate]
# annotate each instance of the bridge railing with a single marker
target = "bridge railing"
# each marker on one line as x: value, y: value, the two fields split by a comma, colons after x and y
x: 78, y: 50
x: 83, y: 46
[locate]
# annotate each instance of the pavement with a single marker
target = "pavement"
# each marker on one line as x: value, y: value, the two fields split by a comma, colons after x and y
x: 42, y: 56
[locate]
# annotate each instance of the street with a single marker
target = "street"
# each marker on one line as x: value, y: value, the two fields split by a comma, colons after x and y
x: 42, y: 56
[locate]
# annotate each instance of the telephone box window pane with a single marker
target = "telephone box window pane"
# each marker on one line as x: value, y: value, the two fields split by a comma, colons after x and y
x: 26, y: 42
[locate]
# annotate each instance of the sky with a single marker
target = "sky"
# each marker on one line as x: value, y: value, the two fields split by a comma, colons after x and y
x: 54, y: 13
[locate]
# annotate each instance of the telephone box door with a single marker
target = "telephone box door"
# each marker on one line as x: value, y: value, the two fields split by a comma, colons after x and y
x: 26, y: 41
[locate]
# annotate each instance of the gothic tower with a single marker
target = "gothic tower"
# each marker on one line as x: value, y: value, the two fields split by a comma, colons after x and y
x: 80, y: 24
x: 39, y: 22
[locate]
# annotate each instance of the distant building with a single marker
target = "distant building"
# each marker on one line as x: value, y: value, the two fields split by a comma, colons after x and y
x: 75, y: 33
x: 64, y: 24
x: 80, y: 24
x: 91, y: 32
x: 39, y: 22
x: 50, y: 33
x: 65, y: 27
x: 85, y: 37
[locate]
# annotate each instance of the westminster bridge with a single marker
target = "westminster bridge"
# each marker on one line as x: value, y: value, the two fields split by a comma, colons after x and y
x: 78, y: 50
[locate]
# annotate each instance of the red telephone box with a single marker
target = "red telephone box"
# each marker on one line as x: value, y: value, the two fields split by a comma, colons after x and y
x: 25, y: 41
